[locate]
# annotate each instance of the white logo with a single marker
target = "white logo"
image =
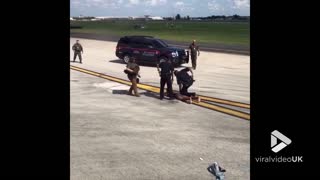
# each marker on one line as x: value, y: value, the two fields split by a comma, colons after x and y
x: 175, y: 54
x: 275, y: 135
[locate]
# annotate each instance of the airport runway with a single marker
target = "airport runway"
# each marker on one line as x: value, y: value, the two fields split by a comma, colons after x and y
x: 116, y: 136
x: 225, y: 76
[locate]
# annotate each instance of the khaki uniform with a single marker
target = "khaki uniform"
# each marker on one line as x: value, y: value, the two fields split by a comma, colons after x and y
x: 193, y: 53
x: 77, y: 48
x: 133, y: 77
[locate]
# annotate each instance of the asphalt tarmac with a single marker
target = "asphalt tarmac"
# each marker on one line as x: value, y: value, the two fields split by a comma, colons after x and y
x: 116, y: 136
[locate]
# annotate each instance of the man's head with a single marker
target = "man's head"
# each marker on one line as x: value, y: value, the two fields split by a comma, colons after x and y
x: 194, y: 41
x: 77, y: 41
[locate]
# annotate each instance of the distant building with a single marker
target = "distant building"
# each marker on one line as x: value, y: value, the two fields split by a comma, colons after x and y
x: 157, y: 18
x: 112, y: 17
x: 99, y: 18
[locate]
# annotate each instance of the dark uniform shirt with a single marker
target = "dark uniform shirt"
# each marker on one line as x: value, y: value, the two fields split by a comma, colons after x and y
x: 193, y: 48
x: 183, y: 77
x: 166, y: 69
x: 77, y: 47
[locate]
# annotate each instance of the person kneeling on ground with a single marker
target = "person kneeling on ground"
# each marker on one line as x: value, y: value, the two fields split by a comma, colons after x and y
x: 132, y: 71
x: 184, y: 80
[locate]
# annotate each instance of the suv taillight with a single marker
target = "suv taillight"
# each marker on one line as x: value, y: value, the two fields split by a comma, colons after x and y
x: 119, y: 47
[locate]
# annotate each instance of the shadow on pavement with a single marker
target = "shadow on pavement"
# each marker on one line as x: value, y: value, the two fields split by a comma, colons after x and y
x: 119, y: 61
x: 157, y: 96
x: 74, y: 61
x: 150, y: 94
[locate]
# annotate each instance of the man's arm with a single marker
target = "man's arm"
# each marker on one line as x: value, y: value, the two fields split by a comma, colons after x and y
x: 158, y: 69
x: 128, y: 69
x: 136, y: 69
x: 190, y: 69
x: 172, y: 70
x: 172, y: 77
x: 180, y: 86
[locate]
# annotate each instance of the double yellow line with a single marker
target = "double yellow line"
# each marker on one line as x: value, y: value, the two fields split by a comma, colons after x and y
x: 204, y: 99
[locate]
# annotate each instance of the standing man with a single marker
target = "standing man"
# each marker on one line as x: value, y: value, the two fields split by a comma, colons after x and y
x: 194, y: 53
x: 166, y: 77
x: 77, y: 49
x: 133, y: 71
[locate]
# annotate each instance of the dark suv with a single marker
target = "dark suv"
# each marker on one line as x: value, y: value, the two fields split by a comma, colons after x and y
x: 149, y: 50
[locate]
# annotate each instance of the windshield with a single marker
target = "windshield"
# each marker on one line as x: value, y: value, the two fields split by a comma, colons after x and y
x: 160, y: 44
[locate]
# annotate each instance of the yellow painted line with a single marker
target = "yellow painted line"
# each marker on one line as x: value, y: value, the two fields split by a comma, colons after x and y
x: 223, y: 110
x: 227, y: 102
x: 100, y: 75
x: 141, y: 86
x: 157, y: 90
x: 149, y: 88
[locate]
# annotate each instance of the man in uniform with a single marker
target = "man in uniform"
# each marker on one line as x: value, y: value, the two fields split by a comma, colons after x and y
x: 194, y: 53
x: 166, y: 75
x: 77, y: 49
x: 184, y: 80
x: 133, y: 72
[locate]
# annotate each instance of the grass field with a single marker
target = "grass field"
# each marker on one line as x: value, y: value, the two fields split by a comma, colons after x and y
x: 229, y: 33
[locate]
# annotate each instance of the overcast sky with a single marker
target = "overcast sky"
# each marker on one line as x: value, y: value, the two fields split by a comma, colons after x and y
x: 159, y: 7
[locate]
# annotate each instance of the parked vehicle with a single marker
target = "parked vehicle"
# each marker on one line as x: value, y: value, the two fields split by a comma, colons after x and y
x: 149, y: 50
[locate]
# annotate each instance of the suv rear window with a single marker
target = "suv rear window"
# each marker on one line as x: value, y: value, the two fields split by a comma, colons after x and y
x: 160, y: 44
x: 124, y: 40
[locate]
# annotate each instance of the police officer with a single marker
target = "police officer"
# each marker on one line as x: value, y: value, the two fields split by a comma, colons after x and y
x: 166, y: 77
x: 184, y: 80
x: 133, y: 72
x: 77, y: 49
x: 193, y: 53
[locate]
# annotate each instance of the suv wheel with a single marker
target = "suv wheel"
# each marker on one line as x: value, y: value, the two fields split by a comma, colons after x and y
x: 126, y: 58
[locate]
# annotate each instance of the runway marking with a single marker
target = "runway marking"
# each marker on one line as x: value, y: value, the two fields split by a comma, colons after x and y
x: 155, y: 89
x: 225, y: 110
x: 227, y: 102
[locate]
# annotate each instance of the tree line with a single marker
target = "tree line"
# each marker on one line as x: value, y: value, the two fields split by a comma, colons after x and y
x: 213, y: 17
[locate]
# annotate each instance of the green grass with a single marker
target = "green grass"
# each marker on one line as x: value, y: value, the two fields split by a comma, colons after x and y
x: 230, y: 33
